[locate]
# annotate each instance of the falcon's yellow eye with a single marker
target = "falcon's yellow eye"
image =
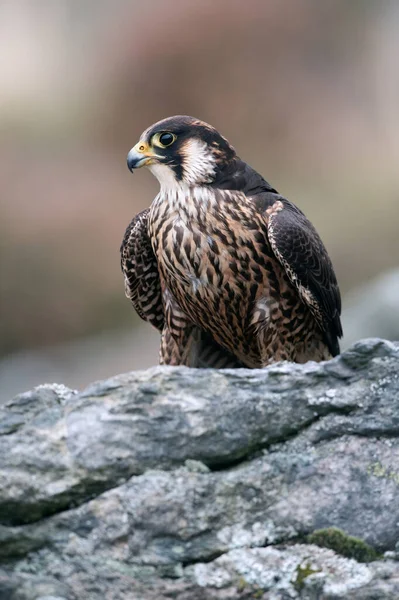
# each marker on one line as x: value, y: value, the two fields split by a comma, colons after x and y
x: 164, y: 139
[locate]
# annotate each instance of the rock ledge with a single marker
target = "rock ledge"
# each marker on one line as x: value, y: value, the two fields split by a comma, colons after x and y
x: 201, y: 484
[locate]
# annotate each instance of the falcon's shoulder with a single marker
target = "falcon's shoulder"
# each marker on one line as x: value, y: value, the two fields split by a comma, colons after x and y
x: 298, y: 247
x: 140, y: 270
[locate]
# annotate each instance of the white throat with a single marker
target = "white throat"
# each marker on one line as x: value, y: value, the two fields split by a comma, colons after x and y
x: 165, y: 175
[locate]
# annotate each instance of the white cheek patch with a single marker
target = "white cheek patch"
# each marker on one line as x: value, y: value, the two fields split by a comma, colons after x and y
x: 199, y: 164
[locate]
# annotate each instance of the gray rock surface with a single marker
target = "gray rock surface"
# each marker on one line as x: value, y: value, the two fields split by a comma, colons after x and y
x: 201, y: 484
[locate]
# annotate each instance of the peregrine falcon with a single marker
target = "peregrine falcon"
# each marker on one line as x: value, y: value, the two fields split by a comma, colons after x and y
x: 231, y: 272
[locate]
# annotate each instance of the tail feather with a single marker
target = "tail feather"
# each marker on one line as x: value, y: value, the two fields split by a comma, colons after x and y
x: 209, y: 354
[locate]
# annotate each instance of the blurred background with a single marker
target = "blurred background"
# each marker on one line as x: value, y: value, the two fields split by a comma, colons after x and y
x: 307, y: 92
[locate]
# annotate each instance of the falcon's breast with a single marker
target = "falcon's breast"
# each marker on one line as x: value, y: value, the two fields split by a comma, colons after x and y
x: 143, y: 289
x: 214, y: 254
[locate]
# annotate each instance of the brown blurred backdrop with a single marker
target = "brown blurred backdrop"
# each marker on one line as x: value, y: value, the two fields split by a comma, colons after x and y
x: 307, y: 92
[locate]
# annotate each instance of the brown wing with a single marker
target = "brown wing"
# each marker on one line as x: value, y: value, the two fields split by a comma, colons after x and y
x: 298, y: 247
x: 140, y: 270
x: 143, y: 288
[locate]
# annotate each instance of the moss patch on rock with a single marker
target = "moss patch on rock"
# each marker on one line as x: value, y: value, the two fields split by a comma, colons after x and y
x: 343, y: 544
x: 302, y: 572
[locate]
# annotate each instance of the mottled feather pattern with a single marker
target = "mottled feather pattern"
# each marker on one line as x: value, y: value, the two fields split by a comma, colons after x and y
x: 143, y: 289
x: 140, y: 269
x: 300, y: 250
x: 220, y: 267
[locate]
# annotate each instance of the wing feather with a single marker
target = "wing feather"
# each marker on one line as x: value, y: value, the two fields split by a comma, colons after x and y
x: 140, y: 270
x: 298, y: 247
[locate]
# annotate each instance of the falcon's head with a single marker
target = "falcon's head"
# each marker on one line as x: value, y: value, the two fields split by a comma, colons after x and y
x: 183, y: 150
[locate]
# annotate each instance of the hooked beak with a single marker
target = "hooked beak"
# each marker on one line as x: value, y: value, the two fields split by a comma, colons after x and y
x: 140, y: 155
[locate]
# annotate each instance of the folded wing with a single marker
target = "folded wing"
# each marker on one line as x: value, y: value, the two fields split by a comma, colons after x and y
x: 299, y: 249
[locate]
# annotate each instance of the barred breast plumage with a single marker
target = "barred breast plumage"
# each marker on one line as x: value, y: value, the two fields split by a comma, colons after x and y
x: 214, y: 256
x: 143, y: 289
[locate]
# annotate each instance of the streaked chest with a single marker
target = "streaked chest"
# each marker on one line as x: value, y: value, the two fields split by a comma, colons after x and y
x: 204, y: 239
